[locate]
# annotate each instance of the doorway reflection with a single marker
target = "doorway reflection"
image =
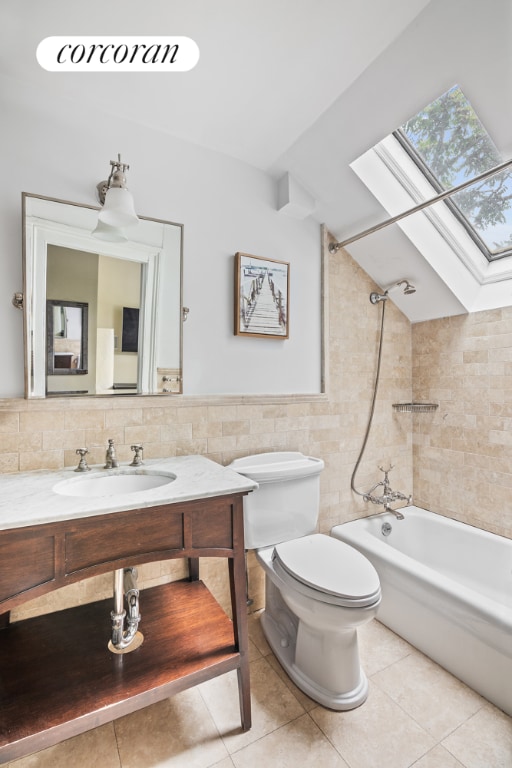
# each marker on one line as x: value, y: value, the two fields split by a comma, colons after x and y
x: 105, y: 286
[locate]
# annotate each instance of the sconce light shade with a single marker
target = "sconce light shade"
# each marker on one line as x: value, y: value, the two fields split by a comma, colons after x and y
x: 112, y: 234
x: 118, y: 209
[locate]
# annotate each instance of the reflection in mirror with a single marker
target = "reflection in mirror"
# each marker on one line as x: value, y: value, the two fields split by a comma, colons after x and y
x: 67, y: 334
x: 128, y: 297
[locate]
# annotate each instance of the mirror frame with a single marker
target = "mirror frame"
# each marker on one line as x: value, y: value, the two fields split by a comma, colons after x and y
x: 150, y: 247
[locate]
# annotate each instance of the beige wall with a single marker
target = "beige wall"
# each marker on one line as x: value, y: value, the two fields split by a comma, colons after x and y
x: 463, y: 452
x: 119, y: 285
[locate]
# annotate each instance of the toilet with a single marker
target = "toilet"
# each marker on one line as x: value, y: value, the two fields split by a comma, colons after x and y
x: 318, y: 590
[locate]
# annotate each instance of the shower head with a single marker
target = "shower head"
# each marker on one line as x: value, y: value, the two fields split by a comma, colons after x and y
x: 407, y: 289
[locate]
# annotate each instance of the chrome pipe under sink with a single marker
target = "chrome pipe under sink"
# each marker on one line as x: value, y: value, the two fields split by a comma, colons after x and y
x: 125, y: 639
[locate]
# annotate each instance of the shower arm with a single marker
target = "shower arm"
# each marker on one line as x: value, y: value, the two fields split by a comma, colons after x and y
x: 335, y: 247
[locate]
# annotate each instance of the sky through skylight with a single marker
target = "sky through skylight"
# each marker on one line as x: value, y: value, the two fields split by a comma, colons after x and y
x: 449, y: 143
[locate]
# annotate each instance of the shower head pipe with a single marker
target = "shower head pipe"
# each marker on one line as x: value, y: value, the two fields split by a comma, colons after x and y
x: 407, y: 289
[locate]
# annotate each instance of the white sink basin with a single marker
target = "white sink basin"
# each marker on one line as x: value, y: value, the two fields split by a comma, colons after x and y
x: 113, y: 484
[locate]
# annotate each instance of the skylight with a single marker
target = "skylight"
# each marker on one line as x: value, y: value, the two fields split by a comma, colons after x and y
x: 450, y: 145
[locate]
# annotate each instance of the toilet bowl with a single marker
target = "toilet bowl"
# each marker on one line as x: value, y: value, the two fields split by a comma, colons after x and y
x: 317, y: 593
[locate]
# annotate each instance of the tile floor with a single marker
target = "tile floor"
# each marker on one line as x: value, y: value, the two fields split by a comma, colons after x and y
x: 416, y: 715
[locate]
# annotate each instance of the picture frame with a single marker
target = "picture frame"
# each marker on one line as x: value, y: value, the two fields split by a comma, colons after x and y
x: 262, y: 290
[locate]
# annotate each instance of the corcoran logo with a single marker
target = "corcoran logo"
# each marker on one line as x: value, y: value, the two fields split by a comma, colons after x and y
x: 117, y: 54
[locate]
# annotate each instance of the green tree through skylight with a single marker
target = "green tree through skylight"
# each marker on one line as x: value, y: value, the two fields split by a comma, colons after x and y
x: 451, y: 146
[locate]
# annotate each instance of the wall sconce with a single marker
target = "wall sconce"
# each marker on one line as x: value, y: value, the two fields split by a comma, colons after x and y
x: 118, y: 208
x: 112, y: 234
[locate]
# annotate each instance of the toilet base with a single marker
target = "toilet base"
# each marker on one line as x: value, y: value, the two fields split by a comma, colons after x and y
x: 282, y: 628
x: 285, y: 654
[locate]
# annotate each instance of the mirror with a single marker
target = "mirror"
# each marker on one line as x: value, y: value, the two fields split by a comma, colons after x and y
x: 67, y: 337
x: 101, y: 318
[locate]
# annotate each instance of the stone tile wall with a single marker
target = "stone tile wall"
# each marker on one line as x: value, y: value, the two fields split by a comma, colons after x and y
x: 463, y: 452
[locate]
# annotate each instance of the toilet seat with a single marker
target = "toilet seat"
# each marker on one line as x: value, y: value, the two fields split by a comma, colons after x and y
x: 317, y: 566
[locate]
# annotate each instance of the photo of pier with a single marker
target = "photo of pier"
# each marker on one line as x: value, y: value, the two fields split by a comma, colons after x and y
x: 261, y: 296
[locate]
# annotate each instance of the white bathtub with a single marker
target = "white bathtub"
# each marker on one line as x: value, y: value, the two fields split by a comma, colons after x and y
x: 446, y: 589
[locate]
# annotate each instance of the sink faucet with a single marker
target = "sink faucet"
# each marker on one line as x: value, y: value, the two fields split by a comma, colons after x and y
x: 388, y: 495
x: 111, y: 461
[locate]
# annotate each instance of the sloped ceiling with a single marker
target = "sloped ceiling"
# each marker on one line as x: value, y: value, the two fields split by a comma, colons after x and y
x: 299, y: 87
x: 451, y: 41
x: 267, y: 69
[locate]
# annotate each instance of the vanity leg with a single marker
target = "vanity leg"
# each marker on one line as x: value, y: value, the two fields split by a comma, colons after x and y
x: 193, y: 569
x: 244, y: 695
x: 5, y: 619
x: 239, y: 607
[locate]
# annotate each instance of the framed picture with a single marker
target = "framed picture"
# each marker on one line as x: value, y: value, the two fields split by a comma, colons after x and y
x: 262, y: 289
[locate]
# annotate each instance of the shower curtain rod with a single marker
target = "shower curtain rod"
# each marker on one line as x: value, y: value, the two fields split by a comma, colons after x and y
x: 335, y: 247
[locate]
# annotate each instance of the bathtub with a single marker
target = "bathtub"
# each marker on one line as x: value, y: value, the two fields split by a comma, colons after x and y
x: 446, y: 589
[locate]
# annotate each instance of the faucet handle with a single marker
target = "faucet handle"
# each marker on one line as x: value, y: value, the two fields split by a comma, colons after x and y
x: 386, y: 473
x: 82, y: 464
x: 137, y: 459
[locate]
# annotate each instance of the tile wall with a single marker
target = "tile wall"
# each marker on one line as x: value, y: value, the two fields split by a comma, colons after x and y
x: 463, y: 453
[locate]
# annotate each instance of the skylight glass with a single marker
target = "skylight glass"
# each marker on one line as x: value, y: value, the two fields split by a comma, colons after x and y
x: 450, y: 145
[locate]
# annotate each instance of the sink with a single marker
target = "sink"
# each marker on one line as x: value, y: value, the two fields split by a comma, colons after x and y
x: 113, y: 484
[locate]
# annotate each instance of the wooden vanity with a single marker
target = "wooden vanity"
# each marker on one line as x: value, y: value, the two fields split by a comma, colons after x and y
x: 57, y: 676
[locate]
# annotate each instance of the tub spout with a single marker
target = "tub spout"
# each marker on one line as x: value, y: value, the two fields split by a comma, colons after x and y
x: 395, y: 512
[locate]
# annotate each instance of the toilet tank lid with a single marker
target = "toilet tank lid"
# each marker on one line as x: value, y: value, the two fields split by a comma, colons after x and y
x: 277, y: 466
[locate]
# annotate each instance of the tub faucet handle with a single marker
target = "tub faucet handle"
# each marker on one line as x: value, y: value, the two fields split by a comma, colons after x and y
x: 386, y: 471
x: 385, y: 482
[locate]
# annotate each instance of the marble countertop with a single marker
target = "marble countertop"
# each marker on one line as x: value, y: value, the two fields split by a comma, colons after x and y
x: 28, y: 498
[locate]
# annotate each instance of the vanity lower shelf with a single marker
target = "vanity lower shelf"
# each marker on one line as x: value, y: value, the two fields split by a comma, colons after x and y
x: 58, y: 678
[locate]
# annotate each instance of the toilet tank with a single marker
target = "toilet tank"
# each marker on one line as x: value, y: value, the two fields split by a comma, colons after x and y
x: 287, y: 501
